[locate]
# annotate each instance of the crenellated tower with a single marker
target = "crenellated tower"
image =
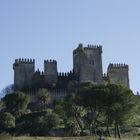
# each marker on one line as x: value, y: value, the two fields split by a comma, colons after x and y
x: 87, y: 63
x: 118, y: 74
x: 50, y: 72
x: 23, y: 72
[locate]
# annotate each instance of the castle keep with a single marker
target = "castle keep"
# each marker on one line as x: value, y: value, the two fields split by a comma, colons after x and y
x: 87, y: 66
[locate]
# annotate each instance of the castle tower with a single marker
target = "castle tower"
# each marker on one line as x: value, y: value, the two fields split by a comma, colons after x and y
x: 118, y: 74
x: 87, y: 63
x: 23, y: 72
x: 50, y: 72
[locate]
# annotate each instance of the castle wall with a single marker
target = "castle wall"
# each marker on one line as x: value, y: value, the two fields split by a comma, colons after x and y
x: 58, y: 94
x: 23, y: 72
x: 118, y: 74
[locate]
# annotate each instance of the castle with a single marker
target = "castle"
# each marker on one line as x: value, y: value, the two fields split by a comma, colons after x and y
x: 87, y: 66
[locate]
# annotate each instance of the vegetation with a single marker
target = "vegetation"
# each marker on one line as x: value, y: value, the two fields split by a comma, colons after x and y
x: 5, y: 136
x: 7, y: 121
x: 44, y: 97
x: 93, y: 110
x: 16, y: 103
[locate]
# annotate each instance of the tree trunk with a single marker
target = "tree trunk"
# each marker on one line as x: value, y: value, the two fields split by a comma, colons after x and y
x: 115, y: 130
x: 107, y: 128
x: 118, y: 131
x: 108, y: 132
x: 94, y: 129
x: 90, y: 130
x: 94, y: 121
x: 82, y: 131
x: 76, y: 117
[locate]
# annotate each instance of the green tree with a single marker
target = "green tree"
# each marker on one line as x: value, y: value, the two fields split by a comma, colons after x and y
x: 37, y: 123
x: 7, y: 121
x: 46, y: 123
x: 120, y: 107
x: 93, y: 98
x: 17, y: 103
x: 44, y: 97
x: 71, y: 114
x: 115, y: 102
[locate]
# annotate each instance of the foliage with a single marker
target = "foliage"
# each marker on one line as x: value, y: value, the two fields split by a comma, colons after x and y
x: 44, y: 97
x: 38, y: 123
x: 16, y: 103
x: 96, y: 105
x: 121, y: 106
x: 26, y: 124
x: 48, y: 122
x: 7, y: 121
x: 71, y: 114
x: 93, y: 98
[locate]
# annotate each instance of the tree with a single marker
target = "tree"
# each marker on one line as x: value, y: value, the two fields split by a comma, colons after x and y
x: 44, y: 97
x: 46, y: 123
x: 16, y: 103
x: 51, y: 120
x: 120, y: 107
x: 37, y: 123
x: 115, y: 102
x: 92, y: 97
x: 7, y: 121
x: 71, y: 114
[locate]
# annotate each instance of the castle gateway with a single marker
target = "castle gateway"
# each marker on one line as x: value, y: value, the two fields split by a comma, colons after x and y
x: 87, y: 66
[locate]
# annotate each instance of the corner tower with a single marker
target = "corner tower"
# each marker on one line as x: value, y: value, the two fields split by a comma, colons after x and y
x: 118, y: 74
x: 23, y: 72
x: 87, y: 63
x: 50, y: 72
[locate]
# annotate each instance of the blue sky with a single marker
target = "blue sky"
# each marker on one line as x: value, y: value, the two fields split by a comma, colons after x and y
x: 44, y: 29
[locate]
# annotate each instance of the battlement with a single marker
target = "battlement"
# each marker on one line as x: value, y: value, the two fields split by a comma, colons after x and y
x: 89, y: 46
x: 118, y: 66
x: 41, y: 73
x: 50, y: 61
x: 65, y: 74
x: 21, y: 60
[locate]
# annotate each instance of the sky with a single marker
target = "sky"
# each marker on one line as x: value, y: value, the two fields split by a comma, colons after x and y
x: 51, y: 29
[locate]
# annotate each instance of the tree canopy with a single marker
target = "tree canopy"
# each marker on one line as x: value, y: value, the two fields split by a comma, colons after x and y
x: 16, y: 103
x: 7, y: 121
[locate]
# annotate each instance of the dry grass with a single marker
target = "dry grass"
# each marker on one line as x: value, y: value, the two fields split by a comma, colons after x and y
x: 69, y: 138
x: 7, y: 137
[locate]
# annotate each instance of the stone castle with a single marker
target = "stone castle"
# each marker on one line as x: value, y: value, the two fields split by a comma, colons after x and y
x: 87, y: 66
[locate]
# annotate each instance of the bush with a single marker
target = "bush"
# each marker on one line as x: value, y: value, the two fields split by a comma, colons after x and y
x: 4, y: 136
x: 7, y: 121
x: 37, y: 124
